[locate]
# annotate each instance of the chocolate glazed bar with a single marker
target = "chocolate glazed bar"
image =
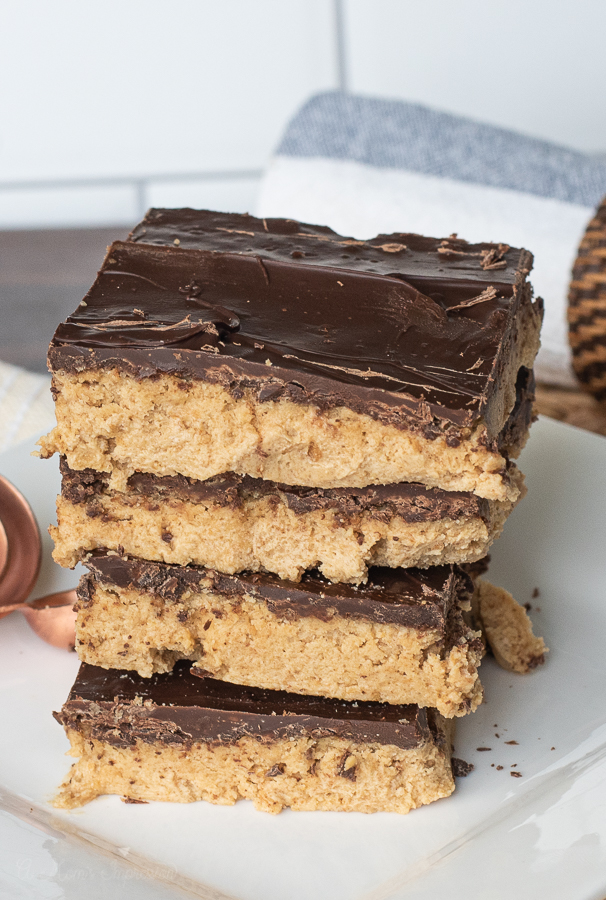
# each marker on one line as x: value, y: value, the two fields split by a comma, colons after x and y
x: 401, y: 638
x: 215, y: 343
x: 180, y: 738
x: 236, y: 523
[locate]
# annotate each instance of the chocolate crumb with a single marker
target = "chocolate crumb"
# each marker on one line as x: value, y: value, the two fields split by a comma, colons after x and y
x: 527, y: 606
x: 512, y: 742
x: 461, y: 768
x: 516, y: 774
x: 278, y: 769
x: 553, y: 748
x: 535, y: 593
x: 132, y: 800
x: 499, y: 768
x: 480, y: 749
x: 346, y: 767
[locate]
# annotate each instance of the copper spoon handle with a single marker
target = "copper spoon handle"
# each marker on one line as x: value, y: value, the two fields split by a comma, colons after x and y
x: 52, y: 618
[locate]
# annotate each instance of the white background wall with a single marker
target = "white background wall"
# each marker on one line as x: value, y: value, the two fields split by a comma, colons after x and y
x: 108, y: 106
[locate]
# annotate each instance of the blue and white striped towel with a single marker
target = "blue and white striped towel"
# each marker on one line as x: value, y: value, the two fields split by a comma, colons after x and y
x: 365, y: 166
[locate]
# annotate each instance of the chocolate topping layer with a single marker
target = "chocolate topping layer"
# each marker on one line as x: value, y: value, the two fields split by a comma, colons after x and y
x: 414, y: 331
x: 414, y: 598
x: 411, y: 502
x: 522, y: 415
x: 178, y: 708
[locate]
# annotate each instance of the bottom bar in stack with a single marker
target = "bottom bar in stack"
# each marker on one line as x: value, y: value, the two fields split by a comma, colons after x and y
x: 180, y: 737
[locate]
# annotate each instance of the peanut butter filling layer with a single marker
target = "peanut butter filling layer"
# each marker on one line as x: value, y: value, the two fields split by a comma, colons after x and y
x: 262, y: 532
x: 111, y: 422
x: 239, y: 639
x: 331, y: 774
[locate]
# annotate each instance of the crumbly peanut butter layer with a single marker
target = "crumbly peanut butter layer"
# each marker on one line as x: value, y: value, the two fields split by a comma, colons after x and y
x: 239, y: 639
x: 327, y: 774
x: 263, y: 534
x: 111, y: 422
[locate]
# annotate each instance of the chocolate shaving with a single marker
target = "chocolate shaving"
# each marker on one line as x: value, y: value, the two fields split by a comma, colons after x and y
x: 487, y: 294
x: 391, y: 248
x: 263, y: 269
x: 445, y: 250
x: 494, y: 258
x: 490, y: 259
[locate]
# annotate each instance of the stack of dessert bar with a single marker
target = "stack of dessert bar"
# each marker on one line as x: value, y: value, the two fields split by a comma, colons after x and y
x: 281, y: 449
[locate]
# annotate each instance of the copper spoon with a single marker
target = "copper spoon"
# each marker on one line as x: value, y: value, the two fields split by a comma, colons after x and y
x: 51, y: 617
x: 3, y: 549
x: 20, y: 547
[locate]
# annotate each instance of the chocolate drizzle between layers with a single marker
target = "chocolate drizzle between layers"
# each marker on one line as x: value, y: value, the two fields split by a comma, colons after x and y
x: 282, y: 310
x: 178, y: 709
x: 413, y: 598
x: 411, y: 502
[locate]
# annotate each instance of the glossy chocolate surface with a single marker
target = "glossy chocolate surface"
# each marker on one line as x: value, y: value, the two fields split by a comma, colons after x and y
x: 411, y: 502
x: 402, y: 327
x: 179, y: 708
x: 414, y: 598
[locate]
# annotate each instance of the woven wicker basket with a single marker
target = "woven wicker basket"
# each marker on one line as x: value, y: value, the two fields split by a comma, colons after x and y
x: 587, y: 307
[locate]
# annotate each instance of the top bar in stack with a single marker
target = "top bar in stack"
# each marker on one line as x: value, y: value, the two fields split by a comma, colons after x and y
x: 215, y: 343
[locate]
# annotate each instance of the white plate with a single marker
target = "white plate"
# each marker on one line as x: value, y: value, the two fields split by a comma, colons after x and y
x: 496, y: 838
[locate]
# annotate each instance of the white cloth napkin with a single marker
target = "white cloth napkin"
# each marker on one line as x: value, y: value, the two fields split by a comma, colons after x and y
x: 26, y: 405
x: 367, y: 166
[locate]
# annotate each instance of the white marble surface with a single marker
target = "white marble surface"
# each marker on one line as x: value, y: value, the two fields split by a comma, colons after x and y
x: 498, y: 837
